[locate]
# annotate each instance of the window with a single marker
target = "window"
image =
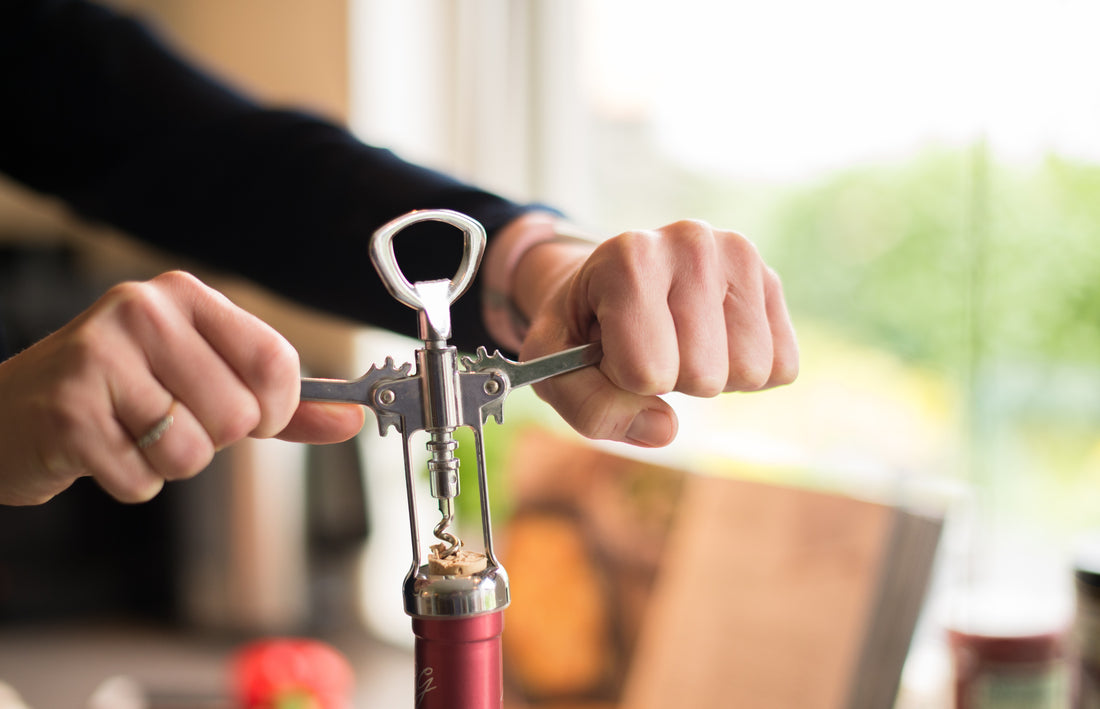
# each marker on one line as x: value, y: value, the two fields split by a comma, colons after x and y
x: 925, y: 178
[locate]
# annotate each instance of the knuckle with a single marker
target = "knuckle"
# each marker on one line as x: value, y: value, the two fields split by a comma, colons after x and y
x: 651, y: 376
x: 274, y: 378
x: 131, y: 291
x: 148, y: 306
x: 177, y: 280
x: 247, y: 418
x: 595, y: 418
x: 131, y: 486
x: 138, y: 493
x: 696, y: 249
x: 236, y: 421
x: 692, y: 229
x: 739, y: 248
x: 140, y: 307
x: 630, y: 250
x: 189, y: 461
x: 784, y: 372
x: 749, y: 374
x: 647, y: 382
x: 702, y: 384
x: 591, y: 414
x: 274, y: 364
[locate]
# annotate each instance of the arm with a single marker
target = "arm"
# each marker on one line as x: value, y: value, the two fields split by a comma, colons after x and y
x: 105, y: 117
x: 115, y: 125
x: 102, y: 116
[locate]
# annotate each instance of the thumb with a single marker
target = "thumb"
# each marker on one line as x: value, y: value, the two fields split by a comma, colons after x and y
x: 323, y: 422
x: 596, y: 408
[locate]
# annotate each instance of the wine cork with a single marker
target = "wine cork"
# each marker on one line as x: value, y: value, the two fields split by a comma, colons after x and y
x: 460, y: 563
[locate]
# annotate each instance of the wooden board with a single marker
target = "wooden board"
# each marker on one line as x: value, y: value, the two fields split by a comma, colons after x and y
x: 641, y: 586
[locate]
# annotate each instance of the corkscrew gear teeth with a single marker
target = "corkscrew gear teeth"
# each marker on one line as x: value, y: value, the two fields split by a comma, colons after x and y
x: 436, y: 395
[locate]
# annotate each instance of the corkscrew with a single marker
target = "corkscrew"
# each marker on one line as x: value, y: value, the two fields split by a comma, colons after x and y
x: 455, y: 596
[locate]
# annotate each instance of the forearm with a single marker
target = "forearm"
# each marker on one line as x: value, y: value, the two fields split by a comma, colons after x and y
x: 112, y: 122
x: 529, y: 260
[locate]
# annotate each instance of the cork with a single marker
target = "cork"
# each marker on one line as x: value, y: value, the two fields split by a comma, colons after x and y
x: 460, y: 563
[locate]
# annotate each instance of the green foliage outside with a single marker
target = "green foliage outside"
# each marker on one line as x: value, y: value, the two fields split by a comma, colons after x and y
x: 987, y: 274
x: 950, y: 257
x: 979, y: 277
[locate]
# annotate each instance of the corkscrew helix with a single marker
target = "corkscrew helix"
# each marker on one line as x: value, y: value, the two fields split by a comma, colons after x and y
x: 437, y: 398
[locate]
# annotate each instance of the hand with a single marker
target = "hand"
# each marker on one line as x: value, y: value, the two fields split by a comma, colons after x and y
x: 78, y: 402
x: 685, y: 308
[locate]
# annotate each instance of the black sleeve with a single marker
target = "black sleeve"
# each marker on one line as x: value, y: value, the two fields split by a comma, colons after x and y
x: 95, y: 110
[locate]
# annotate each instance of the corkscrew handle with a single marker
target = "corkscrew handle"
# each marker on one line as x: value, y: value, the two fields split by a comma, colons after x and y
x: 431, y: 299
x: 385, y: 259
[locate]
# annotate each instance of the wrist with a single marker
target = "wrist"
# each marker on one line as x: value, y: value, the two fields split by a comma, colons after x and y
x: 526, y: 261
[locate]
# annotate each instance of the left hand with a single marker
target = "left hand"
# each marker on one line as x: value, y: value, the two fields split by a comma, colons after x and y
x: 686, y: 308
x: 169, y: 355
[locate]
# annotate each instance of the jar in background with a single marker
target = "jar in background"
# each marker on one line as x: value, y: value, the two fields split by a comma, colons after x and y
x: 1086, y: 636
x: 1026, y: 671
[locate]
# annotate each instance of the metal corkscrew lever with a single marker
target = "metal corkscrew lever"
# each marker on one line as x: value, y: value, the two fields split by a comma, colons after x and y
x: 456, y: 597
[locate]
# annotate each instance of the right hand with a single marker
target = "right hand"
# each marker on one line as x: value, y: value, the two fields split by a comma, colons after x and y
x: 76, y: 403
x: 686, y: 308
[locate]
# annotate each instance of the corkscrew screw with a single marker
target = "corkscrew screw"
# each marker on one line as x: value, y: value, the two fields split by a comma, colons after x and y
x: 455, y: 596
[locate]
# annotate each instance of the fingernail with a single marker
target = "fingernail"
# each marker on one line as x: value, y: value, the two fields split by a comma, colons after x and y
x: 650, y: 428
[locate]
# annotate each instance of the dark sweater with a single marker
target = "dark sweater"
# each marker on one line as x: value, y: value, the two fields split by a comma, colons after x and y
x: 94, y: 109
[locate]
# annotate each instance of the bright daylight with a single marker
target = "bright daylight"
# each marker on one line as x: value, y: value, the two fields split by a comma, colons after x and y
x: 768, y: 376
x: 926, y: 180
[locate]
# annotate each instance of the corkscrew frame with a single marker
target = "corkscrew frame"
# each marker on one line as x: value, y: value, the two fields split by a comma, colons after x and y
x: 456, y: 608
x: 438, y: 399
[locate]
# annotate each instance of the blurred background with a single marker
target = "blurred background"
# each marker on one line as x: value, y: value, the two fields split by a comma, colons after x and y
x: 923, y: 177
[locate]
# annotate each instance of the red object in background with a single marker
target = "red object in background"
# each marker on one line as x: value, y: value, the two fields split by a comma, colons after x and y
x: 292, y: 673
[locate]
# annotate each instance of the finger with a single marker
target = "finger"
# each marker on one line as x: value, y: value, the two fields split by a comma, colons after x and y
x: 321, y: 422
x: 630, y: 302
x: 93, y: 442
x: 262, y: 358
x: 124, y: 475
x: 695, y: 302
x: 166, y: 433
x: 181, y: 448
x: 183, y: 361
x: 748, y: 330
x: 596, y: 408
x: 108, y: 453
x: 784, y: 339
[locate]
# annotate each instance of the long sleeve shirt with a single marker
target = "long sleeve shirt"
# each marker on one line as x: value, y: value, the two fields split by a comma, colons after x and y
x: 95, y: 110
